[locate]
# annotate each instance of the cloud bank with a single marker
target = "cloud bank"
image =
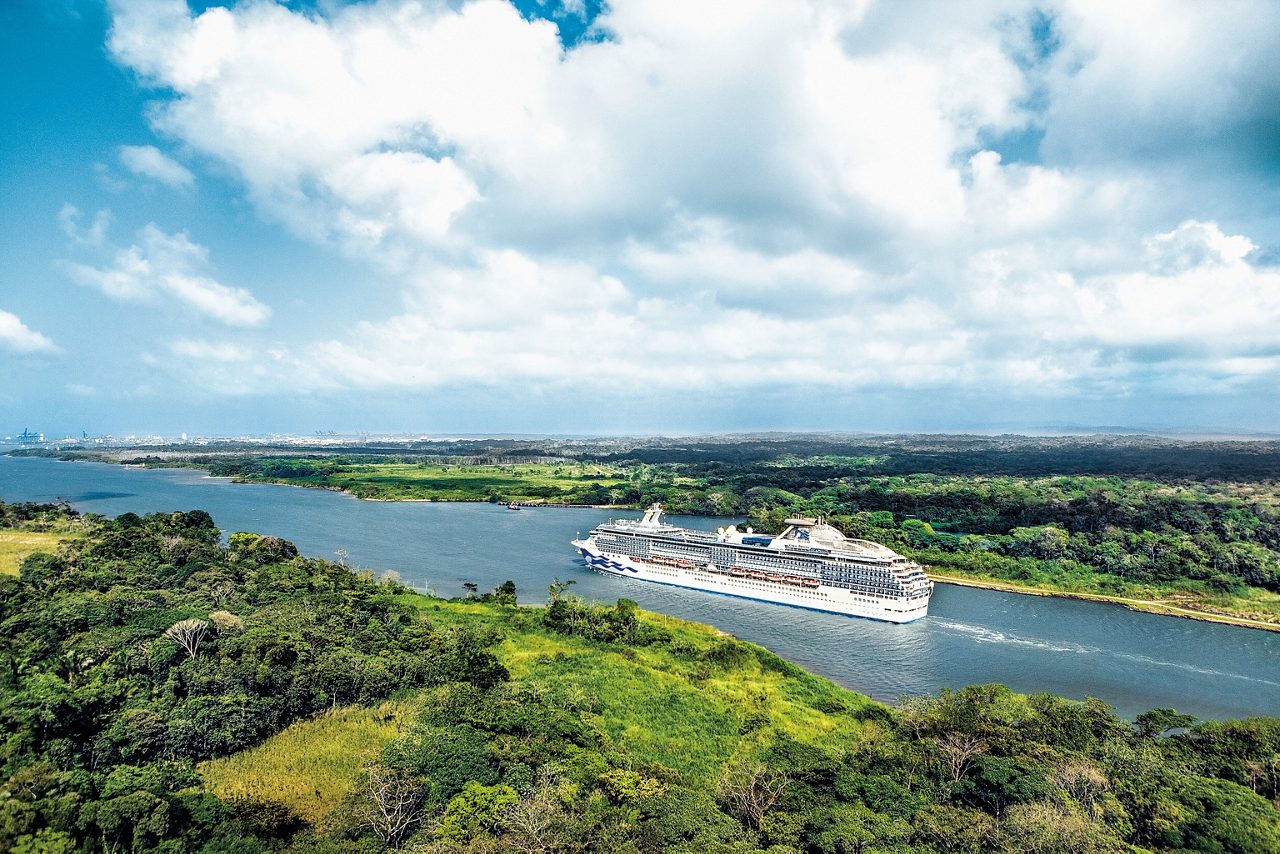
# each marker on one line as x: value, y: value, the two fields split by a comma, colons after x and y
x: 1036, y: 199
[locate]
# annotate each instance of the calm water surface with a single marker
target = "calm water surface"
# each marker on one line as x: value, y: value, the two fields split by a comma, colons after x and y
x: 1133, y: 661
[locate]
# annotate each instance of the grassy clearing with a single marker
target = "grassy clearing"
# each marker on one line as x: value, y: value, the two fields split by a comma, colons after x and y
x: 533, y: 482
x: 671, y: 703
x: 310, y: 766
x: 16, y: 545
x: 674, y: 704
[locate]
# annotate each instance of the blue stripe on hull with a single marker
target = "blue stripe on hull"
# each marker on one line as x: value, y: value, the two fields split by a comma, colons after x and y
x: 605, y: 565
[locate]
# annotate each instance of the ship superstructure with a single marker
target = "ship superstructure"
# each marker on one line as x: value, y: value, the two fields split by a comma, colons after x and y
x: 810, y: 565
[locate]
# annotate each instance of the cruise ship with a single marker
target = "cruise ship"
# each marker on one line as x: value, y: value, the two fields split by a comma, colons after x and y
x: 809, y: 565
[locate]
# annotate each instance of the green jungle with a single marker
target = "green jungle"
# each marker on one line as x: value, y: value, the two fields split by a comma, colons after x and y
x: 1159, y: 524
x: 165, y: 689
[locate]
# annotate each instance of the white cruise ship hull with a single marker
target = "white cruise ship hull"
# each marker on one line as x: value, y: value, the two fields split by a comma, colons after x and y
x: 835, y: 600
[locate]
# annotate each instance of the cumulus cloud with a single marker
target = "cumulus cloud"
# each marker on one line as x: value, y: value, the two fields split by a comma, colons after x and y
x: 17, y: 337
x: 1143, y: 80
x: 165, y: 265
x: 755, y: 193
x: 93, y: 235
x: 150, y: 162
x: 213, y: 352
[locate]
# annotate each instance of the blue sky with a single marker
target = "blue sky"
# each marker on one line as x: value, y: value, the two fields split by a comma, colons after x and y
x: 645, y: 217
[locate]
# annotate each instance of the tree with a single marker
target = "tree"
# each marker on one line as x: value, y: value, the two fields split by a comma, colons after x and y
x: 188, y: 634
x: 998, y: 782
x: 476, y: 809
x: 557, y: 589
x: 534, y: 823
x: 1042, y: 827
x: 624, y: 786
x: 450, y: 756
x: 953, y: 829
x: 958, y: 751
x: 855, y: 828
x: 1157, y: 722
x: 505, y: 593
x: 226, y: 623
x: 393, y: 803
x: 750, y: 789
x: 221, y: 592
x: 1085, y: 783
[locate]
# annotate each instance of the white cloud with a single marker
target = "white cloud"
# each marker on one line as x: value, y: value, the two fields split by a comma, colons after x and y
x: 151, y: 162
x: 232, y: 306
x: 1147, y: 81
x: 162, y: 264
x: 204, y: 350
x: 17, y: 337
x: 94, y: 235
x: 1194, y: 245
x: 763, y: 192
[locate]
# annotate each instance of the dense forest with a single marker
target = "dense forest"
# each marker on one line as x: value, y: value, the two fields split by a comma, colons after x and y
x: 154, y: 673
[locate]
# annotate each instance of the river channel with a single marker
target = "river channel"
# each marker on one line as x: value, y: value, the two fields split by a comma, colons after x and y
x: 1134, y: 661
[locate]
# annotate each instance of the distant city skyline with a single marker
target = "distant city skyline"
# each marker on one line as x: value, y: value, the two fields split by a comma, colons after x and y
x: 646, y: 218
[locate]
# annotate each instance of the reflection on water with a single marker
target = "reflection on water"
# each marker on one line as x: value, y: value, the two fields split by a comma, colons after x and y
x: 97, y: 496
x: 1132, y: 660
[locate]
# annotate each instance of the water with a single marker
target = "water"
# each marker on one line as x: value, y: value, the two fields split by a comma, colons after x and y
x: 1131, y: 660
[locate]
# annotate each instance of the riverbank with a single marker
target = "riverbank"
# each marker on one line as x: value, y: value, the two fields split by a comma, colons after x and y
x: 1150, y: 606
x: 990, y: 562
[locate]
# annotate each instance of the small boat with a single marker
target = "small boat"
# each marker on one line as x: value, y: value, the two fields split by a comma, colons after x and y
x: 513, y: 506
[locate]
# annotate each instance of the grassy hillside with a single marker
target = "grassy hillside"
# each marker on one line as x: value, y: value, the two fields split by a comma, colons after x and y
x: 311, y: 765
x: 657, y: 706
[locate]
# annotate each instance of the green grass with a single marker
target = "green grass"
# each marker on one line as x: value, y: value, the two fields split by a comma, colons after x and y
x: 533, y: 482
x: 310, y: 766
x: 16, y: 545
x: 665, y: 703
x: 1253, y: 603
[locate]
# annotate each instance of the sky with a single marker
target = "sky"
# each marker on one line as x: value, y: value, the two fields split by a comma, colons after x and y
x: 638, y: 217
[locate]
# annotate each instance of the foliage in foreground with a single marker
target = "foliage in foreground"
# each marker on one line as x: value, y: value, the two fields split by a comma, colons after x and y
x: 148, y: 647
